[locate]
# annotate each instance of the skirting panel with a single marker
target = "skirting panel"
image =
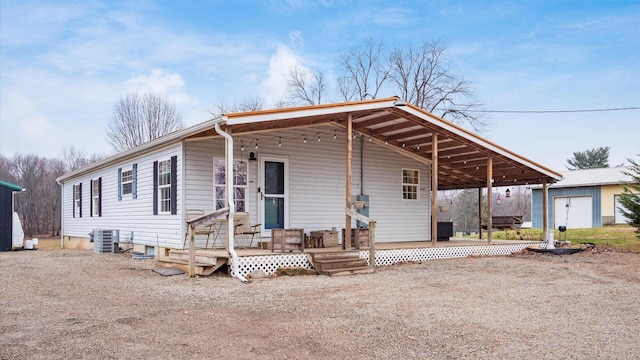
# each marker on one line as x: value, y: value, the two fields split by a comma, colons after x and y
x: 270, y: 263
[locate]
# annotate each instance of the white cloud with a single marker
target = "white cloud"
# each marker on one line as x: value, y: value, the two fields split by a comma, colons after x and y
x: 274, y: 86
x: 32, y: 124
x: 168, y: 85
x: 295, y: 38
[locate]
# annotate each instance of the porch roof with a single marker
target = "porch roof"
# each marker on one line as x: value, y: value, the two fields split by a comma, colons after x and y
x: 462, y: 155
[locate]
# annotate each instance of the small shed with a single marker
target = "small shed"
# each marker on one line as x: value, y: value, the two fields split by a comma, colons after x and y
x: 6, y: 214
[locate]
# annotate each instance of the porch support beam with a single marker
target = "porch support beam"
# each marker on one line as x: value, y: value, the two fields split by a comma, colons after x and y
x: 346, y: 241
x: 480, y: 213
x: 489, y: 198
x: 545, y: 221
x: 434, y: 190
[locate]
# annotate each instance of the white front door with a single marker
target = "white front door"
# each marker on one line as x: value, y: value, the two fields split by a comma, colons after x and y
x: 274, y: 193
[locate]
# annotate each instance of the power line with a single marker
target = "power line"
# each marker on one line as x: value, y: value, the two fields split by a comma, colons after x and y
x: 553, y: 111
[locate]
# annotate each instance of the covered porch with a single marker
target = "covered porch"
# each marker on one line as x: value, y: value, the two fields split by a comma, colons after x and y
x: 454, y: 158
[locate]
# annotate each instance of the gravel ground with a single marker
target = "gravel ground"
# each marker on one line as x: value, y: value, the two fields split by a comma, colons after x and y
x: 74, y: 304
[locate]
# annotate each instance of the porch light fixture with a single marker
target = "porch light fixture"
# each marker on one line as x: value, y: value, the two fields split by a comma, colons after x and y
x: 507, y: 194
x: 252, y: 156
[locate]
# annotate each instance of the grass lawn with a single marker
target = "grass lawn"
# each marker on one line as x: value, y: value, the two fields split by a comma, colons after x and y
x: 620, y: 237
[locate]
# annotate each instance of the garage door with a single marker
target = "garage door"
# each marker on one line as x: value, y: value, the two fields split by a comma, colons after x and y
x: 619, y: 218
x: 573, y: 211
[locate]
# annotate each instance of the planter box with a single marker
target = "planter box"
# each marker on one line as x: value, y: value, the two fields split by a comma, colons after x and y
x: 324, y: 238
x: 287, y: 239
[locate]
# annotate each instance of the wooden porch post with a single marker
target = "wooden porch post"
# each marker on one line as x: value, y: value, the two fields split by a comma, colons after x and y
x: 346, y: 241
x: 434, y: 190
x: 545, y: 222
x: 192, y: 252
x: 480, y: 213
x: 489, y: 198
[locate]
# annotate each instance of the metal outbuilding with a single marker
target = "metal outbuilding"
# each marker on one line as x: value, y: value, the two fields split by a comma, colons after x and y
x: 6, y: 214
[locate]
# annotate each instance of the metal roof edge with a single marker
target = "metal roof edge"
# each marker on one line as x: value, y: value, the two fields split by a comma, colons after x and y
x: 322, y: 109
x: 14, y: 187
x: 145, y: 147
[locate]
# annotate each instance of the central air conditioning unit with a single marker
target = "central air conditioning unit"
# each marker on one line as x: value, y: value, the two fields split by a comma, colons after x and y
x: 105, y: 241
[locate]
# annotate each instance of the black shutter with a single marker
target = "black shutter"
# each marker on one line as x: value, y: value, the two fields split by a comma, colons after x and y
x: 73, y: 202
x: 119, y: 184
x: 91, y: 198
x: 174, y: 185
x: 155, y: 188
x: 100, y: 196
x: 134, y: 185
x: 80, y: 200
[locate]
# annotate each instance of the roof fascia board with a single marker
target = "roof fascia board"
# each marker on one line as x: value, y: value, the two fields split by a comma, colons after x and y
x: 11, y: 186
x: 478, y: 140
x: 165, y: 140
x: 248, y: 118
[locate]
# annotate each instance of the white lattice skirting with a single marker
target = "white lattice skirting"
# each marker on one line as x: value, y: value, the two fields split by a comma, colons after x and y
x: 270, y: 263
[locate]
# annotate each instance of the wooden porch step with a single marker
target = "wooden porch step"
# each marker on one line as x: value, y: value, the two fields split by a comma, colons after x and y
x: 184, y: 256
x: 340, y: 263
x: 202, y: 269
x: 330, y: 264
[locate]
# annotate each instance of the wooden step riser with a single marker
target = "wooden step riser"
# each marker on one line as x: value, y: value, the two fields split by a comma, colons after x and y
x: 335, y: 255
x: 322, y: 266
x: 199, y: 258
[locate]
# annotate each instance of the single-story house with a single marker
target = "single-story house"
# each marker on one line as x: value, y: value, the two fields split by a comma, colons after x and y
x: 582, y: 199
x: 299, y: 168
x: 7, y: 220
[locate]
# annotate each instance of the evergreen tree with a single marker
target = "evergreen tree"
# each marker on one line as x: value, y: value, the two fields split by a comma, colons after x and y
x: 630, y: 198
x: 589, y: 159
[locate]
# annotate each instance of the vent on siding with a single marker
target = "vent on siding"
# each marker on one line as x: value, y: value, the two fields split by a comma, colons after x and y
x: 105, y: 241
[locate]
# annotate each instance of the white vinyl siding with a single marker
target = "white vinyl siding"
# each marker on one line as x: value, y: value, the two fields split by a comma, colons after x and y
x: 317, y: 181
x: 131, y: 215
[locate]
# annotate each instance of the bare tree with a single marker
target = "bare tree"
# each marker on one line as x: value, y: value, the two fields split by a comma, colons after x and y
x: 365, y: 69
x: 73, y: 158
x: 242, y: 105
x: 139, y: 118
x: 309, y: 89
x: 422, y: 77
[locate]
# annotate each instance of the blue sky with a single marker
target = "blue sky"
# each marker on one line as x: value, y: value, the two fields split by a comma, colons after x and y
x: 63, y: 65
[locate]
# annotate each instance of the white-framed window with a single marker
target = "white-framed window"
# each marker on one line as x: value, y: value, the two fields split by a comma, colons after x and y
x: 127, y: 182
x: 240, y: 181
x: 77, y: 200
x: 164, y: 186
x: 410, y: 184
x: 96, y: 197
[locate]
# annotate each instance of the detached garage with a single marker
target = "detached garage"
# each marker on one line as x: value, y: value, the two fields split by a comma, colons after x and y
x: 582, y: 199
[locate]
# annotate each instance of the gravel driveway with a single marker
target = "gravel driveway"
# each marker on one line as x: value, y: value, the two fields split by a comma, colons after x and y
x: 74, y: 304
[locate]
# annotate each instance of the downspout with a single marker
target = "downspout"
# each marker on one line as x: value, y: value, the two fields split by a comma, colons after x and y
x: 230, y: 203
x: 361, y: 165
x: 61, y: 214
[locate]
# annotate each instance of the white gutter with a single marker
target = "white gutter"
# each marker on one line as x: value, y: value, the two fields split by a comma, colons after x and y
x: 230, y: 203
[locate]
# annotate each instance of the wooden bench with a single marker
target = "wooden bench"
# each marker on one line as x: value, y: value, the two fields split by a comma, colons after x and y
x: 509, y: 222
